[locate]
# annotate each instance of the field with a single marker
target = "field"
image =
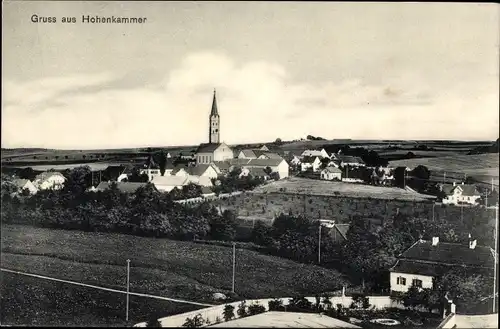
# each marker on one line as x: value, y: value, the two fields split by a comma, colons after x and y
x: 481, y: 167
x: 307, y: 186
x: 175, y: 269
x: 29, y: 301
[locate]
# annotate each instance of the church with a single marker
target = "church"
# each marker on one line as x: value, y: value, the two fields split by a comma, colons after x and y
x: 214, y: 150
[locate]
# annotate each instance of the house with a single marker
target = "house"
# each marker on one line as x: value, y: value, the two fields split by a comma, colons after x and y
x: 269, y: 155
x: 425, y: 260
x: 331, y: 173
x: 126, y: 171
x: 315, y: 153
x: 200, y: 180
x: 202, y: 170
x: 168, y: 183
x: 249, y: 154
x: 221, y: 167
x: 49, y: 180
x: 459, y: 194
x: 294, y: 160
x: 150, y: 168
x: 313, y: 163
x: 277, y: 165
x: 347, y: 160
x: 255, y: 172
x: 125, y: 187
x: 25, y: 185
x: 207, y: 153
x: 272, y: 148
x: 179, y: 170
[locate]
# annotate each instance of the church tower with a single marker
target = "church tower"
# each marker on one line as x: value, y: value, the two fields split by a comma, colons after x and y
x: 214, y: 124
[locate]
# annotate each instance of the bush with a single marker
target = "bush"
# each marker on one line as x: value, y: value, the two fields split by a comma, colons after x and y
x: 276, y: 305
x: 360, y: 301
x: 195, y: 322
x: 300, y: 304
x: 256, y: 309
x: 242, y: 309
x: 228, y: 312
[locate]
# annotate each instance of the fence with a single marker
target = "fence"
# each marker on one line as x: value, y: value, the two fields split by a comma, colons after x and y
x: 216, y: 313
x: 204, y: 198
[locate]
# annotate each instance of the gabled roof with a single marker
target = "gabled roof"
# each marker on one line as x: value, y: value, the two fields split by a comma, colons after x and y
x: 197, y: 170
x: 449, y: 253
x: 333, y: 170
x: 238, y: 162
x: 208, y: 147
x: 179, y: 168
x: 265, y: 162
x: 126, y: 187
x: 205, y: 190
x: 349, y: 159
x: 310, y: 159
x: 169, y: 165
x: 271, y: 155
x: 222, y: 165
x: 249, y: 153
x: 342, y: 229
x: 170, y: 180
x: 20, y: 183
x: 467, y: 190
x: 46, y: 175
x: 257, y: 172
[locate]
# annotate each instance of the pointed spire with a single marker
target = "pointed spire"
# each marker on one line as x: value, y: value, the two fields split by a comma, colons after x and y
x: 214, y: 111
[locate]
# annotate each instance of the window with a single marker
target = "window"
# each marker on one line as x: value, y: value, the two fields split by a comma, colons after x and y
x: 417, y: 283
x: 401, y: 281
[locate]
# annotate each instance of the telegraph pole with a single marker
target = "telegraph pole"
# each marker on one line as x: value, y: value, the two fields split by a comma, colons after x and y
x: 234, y: 264
x: 433, y: 205
x: 319, y: 244
x: 128, y: 287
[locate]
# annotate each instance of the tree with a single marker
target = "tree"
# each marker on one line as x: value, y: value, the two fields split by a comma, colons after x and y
x: 261, y: 234
x: 136, y: 177
x: 27, y: 173
x: 400, y: 176
x: 161, y: 159
x: 242, y: 309
x: 223, y: 227
x: 275, y: 176
x: 228, y: 312
x: 268, y: 170
x: 299, y: 304
x: 78, y: 180
x: 276, y: 305
x: 278, y: 141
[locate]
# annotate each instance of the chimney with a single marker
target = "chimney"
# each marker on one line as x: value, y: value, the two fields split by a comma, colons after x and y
x: 462, y: 183
x: 454, y: 184
x: 472, y: 244
x: 435, y: 240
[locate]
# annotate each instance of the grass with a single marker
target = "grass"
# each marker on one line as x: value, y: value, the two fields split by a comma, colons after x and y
x: 176, y: 269
x: 331, y: 188
x: 29, y: 301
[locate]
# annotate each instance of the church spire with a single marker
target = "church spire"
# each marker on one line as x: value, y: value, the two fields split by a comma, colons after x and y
x: 214, y: 111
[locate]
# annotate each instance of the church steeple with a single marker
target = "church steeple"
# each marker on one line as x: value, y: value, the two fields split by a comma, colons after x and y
x: 214, y: 123
x: 214, y: 111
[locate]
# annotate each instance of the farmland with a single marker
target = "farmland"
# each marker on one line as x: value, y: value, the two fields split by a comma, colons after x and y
x: 481, y: 167
x: 306, y: 186
x: 176, y: 269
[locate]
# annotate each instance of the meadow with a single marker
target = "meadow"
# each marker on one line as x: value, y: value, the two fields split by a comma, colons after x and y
x: 176, y: 269
x: 28, y: 301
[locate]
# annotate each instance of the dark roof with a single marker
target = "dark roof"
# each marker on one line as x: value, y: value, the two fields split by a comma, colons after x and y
x: 214, y: 111
x: 207, y: 147
x: 257, y: 172
x: 468, y: 190
x: 125, y: 187
x: 178, y: 168
x: 169, y: 165
x: 309, y: 159
x: 271, y: 155
x: 349, y: 158
x: 449, y: 253
x: 20, y: 182
x: 264, y: 162
x: 206, y: 190
x: 197, y: 170
x: 222, y: 165
x: 249, y: 153
x: 411, y: 267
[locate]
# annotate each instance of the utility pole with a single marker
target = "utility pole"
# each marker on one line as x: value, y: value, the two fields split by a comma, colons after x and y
x: 128, y: 287
x: 319, y: 243
x: 444, y: 177
x: 433, y: 205
x: 234, y: 264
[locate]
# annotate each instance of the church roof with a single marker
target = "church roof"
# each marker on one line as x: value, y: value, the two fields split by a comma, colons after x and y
x: 207, y: 148
x: 214, y: 111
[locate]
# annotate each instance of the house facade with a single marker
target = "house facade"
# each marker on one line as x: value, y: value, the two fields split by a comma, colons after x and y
x: 460, y: 194
x: 25, y: 185
x: 49, y: 180
x: 425, y: 260
x: 313, y: 163
x: 331, y: 173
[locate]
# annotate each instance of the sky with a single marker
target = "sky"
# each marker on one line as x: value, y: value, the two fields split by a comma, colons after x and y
x: 281, y: 69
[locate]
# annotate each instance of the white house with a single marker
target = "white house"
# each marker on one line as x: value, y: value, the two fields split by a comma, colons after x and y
x: 294, y: 160
x: 315, y: 153
x: 331, y: 173
x: 313, y: 163
x: 460, y: 193
x: 255, y: 172
x: 277, y: 165
x: 425, y: 260
x: 49, y: 180
x: 25, y: 184
x: 207, y: 153
x: 203, y: 170
x: 168, y: 183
